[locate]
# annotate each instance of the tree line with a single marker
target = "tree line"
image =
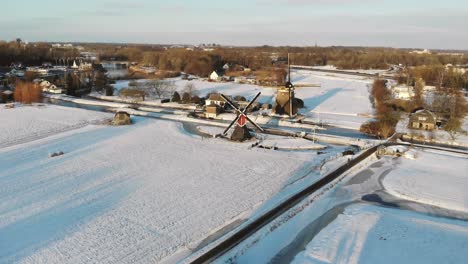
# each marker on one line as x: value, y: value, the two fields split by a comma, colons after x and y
x: 32, y: 54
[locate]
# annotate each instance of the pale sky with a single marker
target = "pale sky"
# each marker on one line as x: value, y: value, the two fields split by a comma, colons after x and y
x: 392, y: 23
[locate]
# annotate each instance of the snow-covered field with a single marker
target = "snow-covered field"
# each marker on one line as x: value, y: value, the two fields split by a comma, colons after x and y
x: 341, y: 100
x: 360, y: 220
x: 27, y: 123
x: 431, y: 178
x: 373, y: 234
x: 132, y: 194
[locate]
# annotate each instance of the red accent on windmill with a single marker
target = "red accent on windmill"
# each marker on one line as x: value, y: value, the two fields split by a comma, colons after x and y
x: 242, y: 117
x: 241, y: 121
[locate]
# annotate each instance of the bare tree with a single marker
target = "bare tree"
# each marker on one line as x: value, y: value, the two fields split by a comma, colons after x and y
x: 453, y: 127
x: 190, y: 89
x: 418, y: 100
x: 159, y: 88
x: 440, y: 78
x: 27, y: 92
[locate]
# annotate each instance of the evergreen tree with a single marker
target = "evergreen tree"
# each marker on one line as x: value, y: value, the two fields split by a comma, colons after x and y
x: 110, y: 90
x: 100, y: 81
x: 186, y: 98
x: 176, y: 97
x: 69, y: 84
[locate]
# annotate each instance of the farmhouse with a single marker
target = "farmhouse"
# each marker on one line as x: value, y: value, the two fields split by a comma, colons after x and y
x: 47, y: 86
x: 216, y: 99
x: 423, y: 119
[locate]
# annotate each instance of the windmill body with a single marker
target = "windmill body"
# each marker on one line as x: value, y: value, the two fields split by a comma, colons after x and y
x: 285, y: 103
x: 241, y: 132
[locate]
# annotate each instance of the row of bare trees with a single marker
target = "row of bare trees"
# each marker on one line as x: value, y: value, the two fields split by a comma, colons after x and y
x: 27, y: 93
x: 32, y: 54
x: 259, y: 57
x: 386, y: 117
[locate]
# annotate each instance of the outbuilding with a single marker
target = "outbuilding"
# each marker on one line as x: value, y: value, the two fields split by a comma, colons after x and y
x: 214, y: 76
x: 122, y: 118
x: 423, y: 119
x: 212, y: 111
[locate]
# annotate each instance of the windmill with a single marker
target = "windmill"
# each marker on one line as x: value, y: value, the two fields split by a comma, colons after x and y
x: 286, y: 103
x: 241, y: 132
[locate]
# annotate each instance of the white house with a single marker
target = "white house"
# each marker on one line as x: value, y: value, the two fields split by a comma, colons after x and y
x: 53, y: 89
x: 214, y: 76
x: 403, y: 92
x: 84, y: 66
x: 48, y: 87
x: 44, y: 84
x: 216, y: 99
x: 424, y: 51
x: 455, y: 69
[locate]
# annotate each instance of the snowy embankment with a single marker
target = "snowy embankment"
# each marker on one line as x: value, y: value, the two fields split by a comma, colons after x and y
x: 153, y: 103
x: 270, y: 141
x: 132, y: 194
x: 85, y: 101
x: 285, y: 143
x: 432, y: 178
x: 29, y: 122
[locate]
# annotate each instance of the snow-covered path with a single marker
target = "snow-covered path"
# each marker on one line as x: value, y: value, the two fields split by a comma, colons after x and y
x: 132, y: 194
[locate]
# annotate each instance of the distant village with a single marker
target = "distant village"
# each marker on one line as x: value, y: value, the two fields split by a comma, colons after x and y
x: 81, y: 70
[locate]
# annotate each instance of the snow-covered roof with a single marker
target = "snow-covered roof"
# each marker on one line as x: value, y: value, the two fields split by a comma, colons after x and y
x: 426, y: 112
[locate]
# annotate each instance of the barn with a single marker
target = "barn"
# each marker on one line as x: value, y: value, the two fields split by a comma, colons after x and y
x: 423, y: 119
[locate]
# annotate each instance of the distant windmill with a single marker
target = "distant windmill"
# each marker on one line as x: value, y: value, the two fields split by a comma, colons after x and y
x: 241, y: 132
x: 286, y: 103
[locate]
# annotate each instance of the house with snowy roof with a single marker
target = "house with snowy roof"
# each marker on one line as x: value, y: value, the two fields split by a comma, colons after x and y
x: 423, y: 119
x: 214, y: 76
